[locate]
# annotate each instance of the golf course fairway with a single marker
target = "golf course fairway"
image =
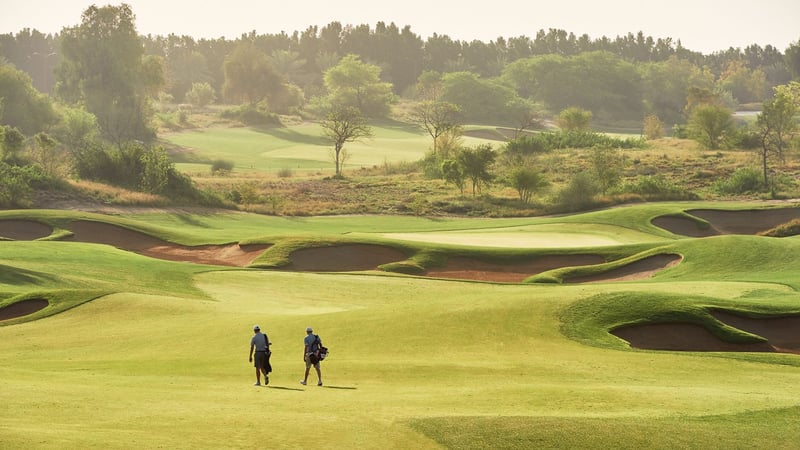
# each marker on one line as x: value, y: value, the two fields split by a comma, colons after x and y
x: 118, y: 347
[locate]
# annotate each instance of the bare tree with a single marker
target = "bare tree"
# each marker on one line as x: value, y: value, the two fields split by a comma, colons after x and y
x: 344, y: 124
x: 437, y: 118
x: 776, y: 125
x: 525, y: 114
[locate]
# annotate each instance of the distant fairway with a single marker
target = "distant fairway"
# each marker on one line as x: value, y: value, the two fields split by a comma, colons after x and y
x: 136, y: 351
x: 302, y: 147
x: 534, y: 236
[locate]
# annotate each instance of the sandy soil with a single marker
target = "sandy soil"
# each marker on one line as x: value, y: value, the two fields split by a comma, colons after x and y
x: 22, y: 308
x: 125, y: 239
x: 728, y: 222
x: 473, y: 269
x: 343, y: 258
x: 782, y: 334
x: 23, y: 230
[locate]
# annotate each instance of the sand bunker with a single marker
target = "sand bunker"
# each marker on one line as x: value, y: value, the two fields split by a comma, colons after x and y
x: 752, y: 221
x: 639, y: 270
x: 22, y: 308
x: 130, y: 240
x: 343, y: 258
x: 782, y: 334
x: 472, y: 269
x: 23, y: 230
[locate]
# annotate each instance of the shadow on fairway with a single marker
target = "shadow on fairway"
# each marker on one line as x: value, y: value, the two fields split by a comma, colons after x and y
x: 340, y: 387
x: 283, y: 388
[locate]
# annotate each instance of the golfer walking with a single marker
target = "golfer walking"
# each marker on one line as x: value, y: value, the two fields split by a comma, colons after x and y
x: 260, y: 343
x: 311, y: 345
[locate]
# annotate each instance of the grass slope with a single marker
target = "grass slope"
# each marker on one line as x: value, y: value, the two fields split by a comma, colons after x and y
x: 272, y: 149
x: 157, y: 356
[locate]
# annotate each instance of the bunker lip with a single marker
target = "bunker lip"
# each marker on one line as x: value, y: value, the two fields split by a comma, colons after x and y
x: 474, y: 269
x: 23, y: 230
x: 343, y: 258
x: 640, y: 270
x: 749, y: 221
x: 337, y: 258
x: 103, y: 233
x: 782, y: 334
x: 22, y: 308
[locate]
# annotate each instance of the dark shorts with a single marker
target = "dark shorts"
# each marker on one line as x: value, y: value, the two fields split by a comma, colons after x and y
x: 261, y: 361
x: 311, y: 360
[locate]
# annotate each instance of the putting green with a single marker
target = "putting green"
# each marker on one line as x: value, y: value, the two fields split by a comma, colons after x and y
x: 551, y: 235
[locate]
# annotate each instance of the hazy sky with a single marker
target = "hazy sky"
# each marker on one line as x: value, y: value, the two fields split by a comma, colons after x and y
x: 701, y: 25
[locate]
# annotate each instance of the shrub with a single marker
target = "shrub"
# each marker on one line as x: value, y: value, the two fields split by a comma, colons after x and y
x: 252, y: 115
x: 574, y: 119
x: 743, y: 180
x: 653, y: 127
x: 579, y: 193
x: 201, y: 95
x: 18, y: 182
x: 527, y: 181
x: 556, y: 140
x: 657, y: 187
x: 221, y: 166
x: 791, y: 228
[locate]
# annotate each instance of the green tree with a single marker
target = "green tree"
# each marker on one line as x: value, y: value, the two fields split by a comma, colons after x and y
x: 709, y: 124
x: 524, y: 114
x: 201, y: 95
x: 429, y: 85
x: 579, y: 193
x: 777, y: 123
x: 746, y: 85
x: 480, y: 100
x: 792, y: 56
x: 607, y: 165
x: 452, y: 172
x: 436, y: 118
x: 344, y: 124
x: 666, y: 84
x: 46, y: 152
x: 185, y: 68
x: 104, y: 69
x: 24, y: 107
x: 527, y: 181
x: 574, y: 119
x: 155, y: 170
x: 598, y: 81
x: 476, y: 165
x: 289, y: 64
x: 250, y: 77
x: 356, y: 84
x: 76, y: 131
x: 653, y: 127
x: 12, y: 146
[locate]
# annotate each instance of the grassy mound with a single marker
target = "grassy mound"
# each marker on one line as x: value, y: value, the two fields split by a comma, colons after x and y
x: 129, y: 346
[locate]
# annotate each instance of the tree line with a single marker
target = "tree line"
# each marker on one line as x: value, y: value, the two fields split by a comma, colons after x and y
x: 90, y: 90
x: 302, y: 57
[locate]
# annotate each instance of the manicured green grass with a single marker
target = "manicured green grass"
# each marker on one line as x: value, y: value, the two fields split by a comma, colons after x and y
x: 146, y: 353
x: 302, y: 147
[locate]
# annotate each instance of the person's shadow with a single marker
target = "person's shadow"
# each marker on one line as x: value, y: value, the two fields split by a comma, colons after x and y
x: 339, y: 387
x: 284, y: 388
